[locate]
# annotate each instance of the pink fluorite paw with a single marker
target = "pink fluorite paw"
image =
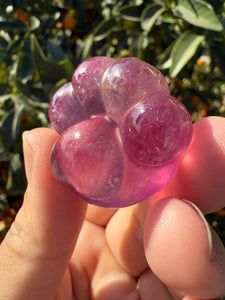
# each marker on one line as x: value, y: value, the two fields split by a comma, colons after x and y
x: 122, y: 133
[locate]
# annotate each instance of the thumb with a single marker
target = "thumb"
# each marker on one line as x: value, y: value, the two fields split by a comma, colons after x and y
x: 37, y: 249
x: 183, y: 251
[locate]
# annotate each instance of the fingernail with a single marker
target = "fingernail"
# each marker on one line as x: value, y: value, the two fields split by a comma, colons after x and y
x: 28, y: 155
x: 212, y: 249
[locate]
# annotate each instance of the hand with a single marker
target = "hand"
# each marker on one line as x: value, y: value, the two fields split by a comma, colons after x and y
x: 161, y: 249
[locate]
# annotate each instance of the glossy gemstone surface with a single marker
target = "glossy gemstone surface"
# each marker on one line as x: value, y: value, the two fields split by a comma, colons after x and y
x: 156, y: 130
x: 65, y: 109
x: 90, y: 158
x: 86, y: 83
x: 121, y: 132
x: 126, y: 81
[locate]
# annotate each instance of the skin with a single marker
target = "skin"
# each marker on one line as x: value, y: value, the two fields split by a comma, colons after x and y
x: 61, y: 248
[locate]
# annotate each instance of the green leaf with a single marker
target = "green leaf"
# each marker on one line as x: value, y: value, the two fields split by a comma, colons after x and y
x: 3, y: 43
x: 4, y: 98
x: 198, y: 13
x: 12, y: 25
x: 10, y: 127
x: 184, y: 48
x: 165, y: 60
x: 150, y: 14
x: 103, y: 29
x: 12, y: 47
x: 55, y: 50
x: 49, y: 70
x: 131, y: 12
x: 16, y: 183
x: 25, y: 66
x: 86, y: 53
x: 136, y: 48
x: 131, y: 26
x: 4, y: 87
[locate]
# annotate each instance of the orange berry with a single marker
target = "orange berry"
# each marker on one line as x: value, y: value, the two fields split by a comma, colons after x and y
x: 204, y: 111
x: 180, y: 97
x: 221, y: 212
x: 58, y: 25
x: 199, y: 62
x: 25, y: 118
x: 20, y: 15
x: 12, y: 212
x: 69, y: 22
x: 196, y: 99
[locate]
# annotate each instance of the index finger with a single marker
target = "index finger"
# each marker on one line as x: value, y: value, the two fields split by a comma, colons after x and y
x: 200, y: 176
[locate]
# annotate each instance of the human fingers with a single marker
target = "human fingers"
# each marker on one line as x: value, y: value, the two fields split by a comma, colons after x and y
x: 37, y: 248
x: 124, y: 234
x: 99, y: 215
x: 183, y: 251
x: 124, y: 231
x: 96, y: 274
x: 201, y: 171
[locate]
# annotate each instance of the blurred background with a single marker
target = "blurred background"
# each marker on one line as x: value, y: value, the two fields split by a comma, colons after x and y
x: 41, y: 43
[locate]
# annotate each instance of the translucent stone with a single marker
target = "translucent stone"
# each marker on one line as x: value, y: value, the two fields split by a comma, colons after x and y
x: 86, y: 82
x: 156, y: 130
x: 139, y: 182
x: 64, y: 109
x: 88, y: 158
x: 122, y: 133
x: 127, y: 81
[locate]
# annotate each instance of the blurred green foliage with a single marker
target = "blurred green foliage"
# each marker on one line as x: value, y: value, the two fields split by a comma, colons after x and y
x: 41, y: 42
